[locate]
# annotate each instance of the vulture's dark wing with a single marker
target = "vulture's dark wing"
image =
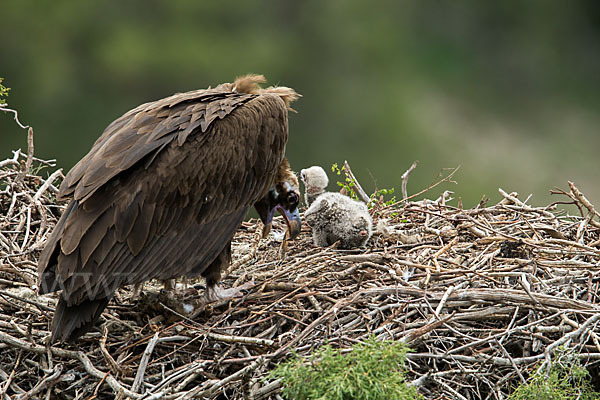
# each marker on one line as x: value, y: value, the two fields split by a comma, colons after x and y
x: 160, y: 195
x: 144, y: 130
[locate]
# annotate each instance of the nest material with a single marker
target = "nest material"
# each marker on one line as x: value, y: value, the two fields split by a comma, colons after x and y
x: 481, y: 295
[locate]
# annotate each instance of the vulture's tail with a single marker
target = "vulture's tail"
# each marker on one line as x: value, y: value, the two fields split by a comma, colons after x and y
x: 70, y: 322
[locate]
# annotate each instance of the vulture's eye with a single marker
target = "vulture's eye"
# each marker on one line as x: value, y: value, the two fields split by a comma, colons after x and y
x: 293, y: 199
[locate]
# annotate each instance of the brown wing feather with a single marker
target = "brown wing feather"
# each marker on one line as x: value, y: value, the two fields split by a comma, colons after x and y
x: 138, y: 237
x: 95, y: 235
x: 126, y: 215
x: 174, y: 216
x: 141, y: 131
x: 78, y: 224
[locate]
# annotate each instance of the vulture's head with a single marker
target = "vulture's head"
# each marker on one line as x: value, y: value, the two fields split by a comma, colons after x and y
x: 283, y: 196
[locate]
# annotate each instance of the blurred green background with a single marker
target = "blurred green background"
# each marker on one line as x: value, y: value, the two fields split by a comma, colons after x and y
x: 508, y: 90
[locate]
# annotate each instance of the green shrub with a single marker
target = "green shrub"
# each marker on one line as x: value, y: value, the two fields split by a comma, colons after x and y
x: 369, y: 371
x: 566, y: 381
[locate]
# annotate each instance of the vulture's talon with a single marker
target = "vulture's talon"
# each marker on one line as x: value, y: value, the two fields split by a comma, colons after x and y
x: 217, y: 293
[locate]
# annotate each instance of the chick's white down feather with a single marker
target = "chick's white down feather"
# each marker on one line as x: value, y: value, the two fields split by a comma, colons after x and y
x: 315, y: 181
x: 332, y: 216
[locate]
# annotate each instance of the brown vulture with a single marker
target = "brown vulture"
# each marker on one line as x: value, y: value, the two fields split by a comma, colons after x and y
x: 161, y: 193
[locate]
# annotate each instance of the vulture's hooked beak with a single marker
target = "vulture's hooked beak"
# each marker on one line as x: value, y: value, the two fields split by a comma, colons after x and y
x: 285, y: 200
x: 292, y: 220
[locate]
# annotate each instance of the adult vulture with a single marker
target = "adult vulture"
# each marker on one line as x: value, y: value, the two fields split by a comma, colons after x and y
x: 161, y: 193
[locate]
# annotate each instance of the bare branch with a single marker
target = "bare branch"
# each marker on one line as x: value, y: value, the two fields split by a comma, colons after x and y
x: 359, y: 189
x: 405, y: 179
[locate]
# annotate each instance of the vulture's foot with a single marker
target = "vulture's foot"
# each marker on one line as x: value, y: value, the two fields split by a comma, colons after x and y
x: 137, y: 291
x: 217, y: 293
x: 183, y: 301
x: 169, y: 285
x: 258, y: 236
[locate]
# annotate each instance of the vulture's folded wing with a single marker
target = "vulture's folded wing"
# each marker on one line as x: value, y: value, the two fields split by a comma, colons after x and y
x: 147, y: 129
x: 156, y: 199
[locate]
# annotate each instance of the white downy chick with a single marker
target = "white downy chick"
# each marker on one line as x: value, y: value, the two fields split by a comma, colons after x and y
x: 333, y: 216
x: 315, y: 181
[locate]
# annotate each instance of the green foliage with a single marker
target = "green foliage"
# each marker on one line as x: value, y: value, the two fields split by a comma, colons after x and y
x: 377, y: 198
x: 397, y: 216
x: 370, y: 371
x: 348, y: 185
x: 566, y: 381
x: 3, y: 92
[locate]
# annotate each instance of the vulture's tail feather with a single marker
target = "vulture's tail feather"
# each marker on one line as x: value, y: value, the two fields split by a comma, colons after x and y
x: 70, y: 322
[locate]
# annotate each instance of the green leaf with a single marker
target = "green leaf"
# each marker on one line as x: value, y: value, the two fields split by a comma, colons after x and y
x: 3, y: 92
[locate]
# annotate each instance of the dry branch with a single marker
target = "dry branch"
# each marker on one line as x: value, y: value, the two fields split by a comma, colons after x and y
x: 361, y: 192
x: 482, y: 295
x: 405, y: 179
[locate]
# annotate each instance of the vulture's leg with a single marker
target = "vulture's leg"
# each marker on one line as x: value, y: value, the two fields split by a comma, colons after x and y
x: 170, y: 284
x: 284, y: 245
x: 137, y: 291
x: 212, y: 274
x: 258, y: 236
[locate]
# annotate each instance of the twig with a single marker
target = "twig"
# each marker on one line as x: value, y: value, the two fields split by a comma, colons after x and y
x: 359, y: 189
x: 114, y: 367
x: 199, y: 392
x: 405, y: 179
x: 550, y: 349
x: 581, y: 197
x: 11, y: 376
x: 512, y: 362
x: 46, y: 383
x: 139, y: 376
x: 240, y: 339
x: 4, y: 107
x: 47, y: 184
x: 445, y: 179
x: 77, y: 355
x: 30, y: 150
x: 586, y: 203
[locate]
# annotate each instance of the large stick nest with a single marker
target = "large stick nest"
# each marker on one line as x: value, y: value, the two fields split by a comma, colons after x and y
x: 481, y: 295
